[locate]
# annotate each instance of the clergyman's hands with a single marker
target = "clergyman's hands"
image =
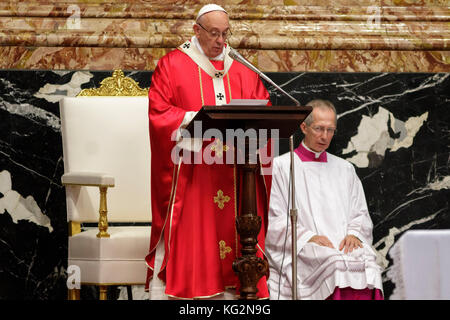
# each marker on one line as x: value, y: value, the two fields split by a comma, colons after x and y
x: 321, y: 241
x: 349, y: 243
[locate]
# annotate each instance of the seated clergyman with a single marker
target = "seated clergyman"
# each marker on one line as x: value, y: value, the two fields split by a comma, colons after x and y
x: 335, y: 259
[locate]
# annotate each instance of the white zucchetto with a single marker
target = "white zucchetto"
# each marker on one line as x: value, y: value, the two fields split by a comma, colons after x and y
x: 208, y: 8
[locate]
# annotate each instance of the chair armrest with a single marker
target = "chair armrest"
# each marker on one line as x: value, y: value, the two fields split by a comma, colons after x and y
x: 94, y: 179
x: 97, y: 179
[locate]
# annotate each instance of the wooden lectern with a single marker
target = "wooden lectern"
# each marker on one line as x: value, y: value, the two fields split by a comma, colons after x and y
x: 285, y: 119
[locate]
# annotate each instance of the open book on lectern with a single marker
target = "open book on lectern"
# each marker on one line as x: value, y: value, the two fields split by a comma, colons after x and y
x: 247, y: 102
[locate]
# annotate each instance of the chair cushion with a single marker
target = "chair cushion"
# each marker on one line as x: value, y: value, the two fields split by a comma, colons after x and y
x: 125, y: 243
x: 115, y: 260
x: 111, y: 272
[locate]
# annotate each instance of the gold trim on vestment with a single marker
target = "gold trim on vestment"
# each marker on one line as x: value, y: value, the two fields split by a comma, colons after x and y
x: 201, y: 84
x: 174, y: 178
x: 229, y: 85
x: 224, y: 249
x: 176, y: 170
x: 171, y: 205
x: 218, y: 147
x: 220, y: 199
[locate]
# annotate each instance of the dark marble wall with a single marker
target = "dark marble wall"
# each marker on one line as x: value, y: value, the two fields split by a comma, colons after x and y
x: 394, y: 127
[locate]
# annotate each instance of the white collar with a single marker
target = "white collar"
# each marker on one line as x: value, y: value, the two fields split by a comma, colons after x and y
x: 221, y: 56
x: 316, y: 154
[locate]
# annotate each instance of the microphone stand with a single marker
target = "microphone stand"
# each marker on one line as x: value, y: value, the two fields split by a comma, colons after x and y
x: 293, y: 214
x: 293, y: 211
x: 237, y: 56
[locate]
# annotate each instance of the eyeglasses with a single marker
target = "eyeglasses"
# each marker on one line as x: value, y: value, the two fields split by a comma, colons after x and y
x: 216, y: 34
x: 320, y: 129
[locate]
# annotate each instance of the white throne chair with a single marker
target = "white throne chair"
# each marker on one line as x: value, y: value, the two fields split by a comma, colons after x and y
x: 106, y: 150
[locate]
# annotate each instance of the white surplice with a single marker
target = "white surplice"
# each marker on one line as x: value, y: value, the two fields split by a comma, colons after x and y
x: 330, y: 201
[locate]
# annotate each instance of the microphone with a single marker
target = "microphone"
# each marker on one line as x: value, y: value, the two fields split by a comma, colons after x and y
x: 237, y: 56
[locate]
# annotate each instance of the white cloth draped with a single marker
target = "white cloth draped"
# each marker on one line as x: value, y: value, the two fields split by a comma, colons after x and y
x: 421, y: 261
x: 330, y: 202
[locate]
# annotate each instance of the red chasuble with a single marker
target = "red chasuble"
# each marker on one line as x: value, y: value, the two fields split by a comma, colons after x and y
x: 196, y: 204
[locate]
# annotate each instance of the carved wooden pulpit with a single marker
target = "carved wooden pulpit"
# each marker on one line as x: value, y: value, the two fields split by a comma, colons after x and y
x: 285, y: 119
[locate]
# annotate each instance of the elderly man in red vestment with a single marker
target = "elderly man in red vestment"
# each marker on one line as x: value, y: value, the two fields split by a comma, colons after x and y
x: 193, y: 239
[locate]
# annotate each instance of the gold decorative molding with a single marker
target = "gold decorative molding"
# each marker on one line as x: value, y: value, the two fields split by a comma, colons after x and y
x: 103, y: 215
x: 74, y: 228
x: 116, y: 85
x: 276, y: 36
x: 293, y: 9
x: 73, y: 294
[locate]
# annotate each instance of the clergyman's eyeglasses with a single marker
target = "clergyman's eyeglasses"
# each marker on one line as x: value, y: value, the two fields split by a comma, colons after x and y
x: 320, y: 129
x: 216, y: 34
